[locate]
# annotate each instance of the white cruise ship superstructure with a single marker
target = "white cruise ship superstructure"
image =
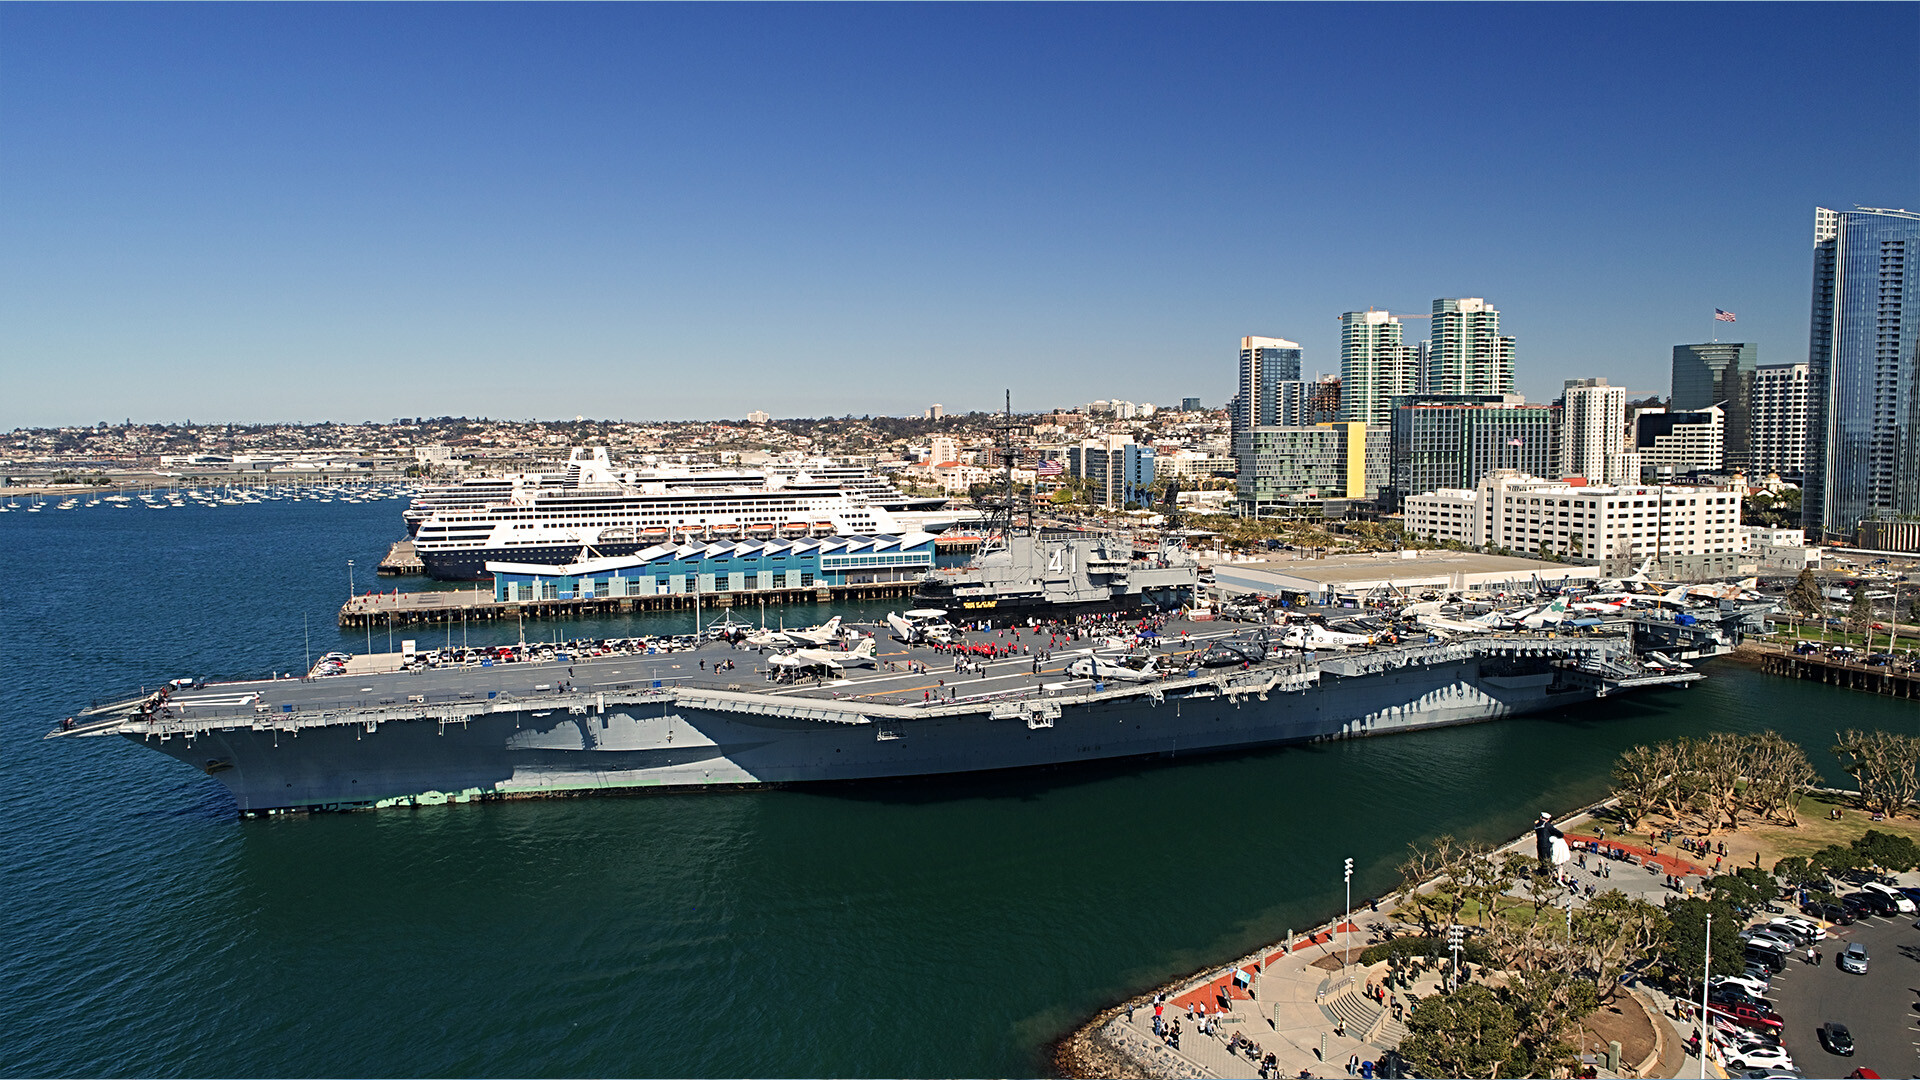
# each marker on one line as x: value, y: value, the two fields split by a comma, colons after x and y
x: 591, y: 508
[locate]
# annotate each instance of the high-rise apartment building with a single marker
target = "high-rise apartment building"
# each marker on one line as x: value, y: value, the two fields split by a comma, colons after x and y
x: 1267, y: 365
x: 1719, y: 373
x: 1465, y: 352
x: 1778, y: 424
x: 1120, y: 469
x: 1320, y: 461
x: 1863, y: 360
x: 1593, y: 431
x: 1376, y: 366
x: 1451, y: 441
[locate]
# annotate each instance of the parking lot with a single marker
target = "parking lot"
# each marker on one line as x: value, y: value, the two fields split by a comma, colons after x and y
x: 1879, y: 1007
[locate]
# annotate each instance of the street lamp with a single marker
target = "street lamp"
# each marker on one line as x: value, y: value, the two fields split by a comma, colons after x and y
x: 1706, y: 974
x: 1454, y: 934
x: 1347, y: 876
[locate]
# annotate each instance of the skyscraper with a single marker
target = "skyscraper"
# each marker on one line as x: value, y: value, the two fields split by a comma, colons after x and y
x: 1863, y: 371
x: 1265, y: 365
x: 1779, y: 420
x: 1465, y: 352
x: 1376, y: 366
x: 1593, y: 431
x: 1719, y: 373
x: 1451, y: 441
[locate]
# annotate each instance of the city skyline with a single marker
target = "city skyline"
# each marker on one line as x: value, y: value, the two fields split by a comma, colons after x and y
x: 661, y: 212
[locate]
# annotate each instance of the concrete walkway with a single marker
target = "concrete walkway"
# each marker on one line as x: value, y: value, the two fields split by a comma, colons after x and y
x: 1312, y: 1018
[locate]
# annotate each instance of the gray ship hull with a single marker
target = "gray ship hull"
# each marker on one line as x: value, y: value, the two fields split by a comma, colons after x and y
x: 693, y: 738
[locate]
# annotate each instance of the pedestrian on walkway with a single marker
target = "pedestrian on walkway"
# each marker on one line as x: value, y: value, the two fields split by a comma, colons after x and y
x: 1353, y: 1064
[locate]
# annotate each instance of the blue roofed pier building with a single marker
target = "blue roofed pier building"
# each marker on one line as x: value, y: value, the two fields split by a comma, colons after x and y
x: 726, y: 568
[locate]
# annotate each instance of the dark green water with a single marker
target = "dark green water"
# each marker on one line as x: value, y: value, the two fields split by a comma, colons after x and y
x: 925, y: 928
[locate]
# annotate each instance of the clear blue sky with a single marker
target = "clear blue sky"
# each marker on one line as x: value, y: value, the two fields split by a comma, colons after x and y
x: 311, y: 211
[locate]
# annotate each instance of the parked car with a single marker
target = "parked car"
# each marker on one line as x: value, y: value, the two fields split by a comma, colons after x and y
x: 1753, y: 986
x: 1778, y: 939
x: 1734, y: 996
x: 1836, y: 914
x: 1878, y: 903
x: 1807, y: 930
x: 1836, y: 1038
x: 1751, y: 1016
x: 1854, y: 959
x: 1739, y: 1038
x: 1893, y: 901
x: 1761, y: 1057
x: 1859, y: 907
x: 1769, y: 960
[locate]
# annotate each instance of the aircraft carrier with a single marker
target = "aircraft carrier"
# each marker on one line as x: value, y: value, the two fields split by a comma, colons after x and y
x: 636, y: 719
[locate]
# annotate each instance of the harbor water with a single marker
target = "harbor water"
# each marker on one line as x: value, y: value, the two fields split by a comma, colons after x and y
x: 946, y: 927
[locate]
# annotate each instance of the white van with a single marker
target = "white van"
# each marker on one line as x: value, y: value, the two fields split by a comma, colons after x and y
x: 1901, y: 902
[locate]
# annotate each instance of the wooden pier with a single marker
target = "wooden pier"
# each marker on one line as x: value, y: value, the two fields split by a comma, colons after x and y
x: 478, y: 604
x: 1883, y: 680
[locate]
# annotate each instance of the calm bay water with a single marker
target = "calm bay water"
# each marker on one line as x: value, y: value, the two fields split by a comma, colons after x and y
x: 949, y: 927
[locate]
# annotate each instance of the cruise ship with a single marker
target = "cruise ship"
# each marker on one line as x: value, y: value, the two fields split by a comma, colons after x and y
x: 594, y: 510
x: 586, y: 466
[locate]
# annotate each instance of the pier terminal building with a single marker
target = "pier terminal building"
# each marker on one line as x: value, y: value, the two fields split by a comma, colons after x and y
x: 725, y: 567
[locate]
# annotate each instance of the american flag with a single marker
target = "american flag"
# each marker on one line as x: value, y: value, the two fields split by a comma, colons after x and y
x: 1722, y: 316
x: 1048, y: 468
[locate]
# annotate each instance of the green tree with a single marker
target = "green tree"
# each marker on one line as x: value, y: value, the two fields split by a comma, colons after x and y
x: 1743, y: 890
x: 1799, y: 871
x: 1805, y: 596
x: 1883, y: 765
x: 1888, y: 851
x: 1612, y: 934
x: 1832, y: 861
x: 1470, y: 1032
x: 1684, y: 949
x: 1860, y: 615
x: 1516, y: 1029
x: 1778, y: 775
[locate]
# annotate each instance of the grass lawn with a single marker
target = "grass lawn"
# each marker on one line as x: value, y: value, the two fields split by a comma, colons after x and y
x: 1773, y: 842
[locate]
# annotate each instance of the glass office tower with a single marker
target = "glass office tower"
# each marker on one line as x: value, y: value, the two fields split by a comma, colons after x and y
x: 1864, y: 371
x: 1720, y: 373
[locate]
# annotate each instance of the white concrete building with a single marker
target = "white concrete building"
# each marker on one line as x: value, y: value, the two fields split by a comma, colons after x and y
x: 1617, y: 525
x: 1779, y: 422
x: 1681, y: 441
x: 1593, y: 431
x: 1191, y: 464
x: 1447, y: 514
x: 1781, y: 551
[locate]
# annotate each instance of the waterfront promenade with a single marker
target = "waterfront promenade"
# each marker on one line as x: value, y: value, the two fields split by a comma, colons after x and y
x: 1295, y: 1000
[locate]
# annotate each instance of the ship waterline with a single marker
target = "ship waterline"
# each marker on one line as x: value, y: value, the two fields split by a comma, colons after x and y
x: 626, y: 722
